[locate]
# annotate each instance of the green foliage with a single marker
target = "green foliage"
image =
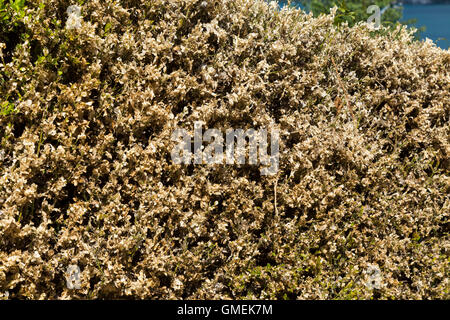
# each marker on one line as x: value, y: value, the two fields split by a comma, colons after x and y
x: 12, y: 28
x: 353, y: 11
x: 11, y: 12
x: 6, y: 108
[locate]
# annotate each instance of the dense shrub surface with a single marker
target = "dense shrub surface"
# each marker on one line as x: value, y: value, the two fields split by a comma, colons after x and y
x: 86, y: 176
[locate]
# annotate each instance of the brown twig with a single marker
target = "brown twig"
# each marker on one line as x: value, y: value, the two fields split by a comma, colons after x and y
x: 347, y: 100
x: 275, y: 196
x: 338, y: 104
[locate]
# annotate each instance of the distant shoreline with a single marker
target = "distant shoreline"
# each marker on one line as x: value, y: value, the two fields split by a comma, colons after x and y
x: 424, y: 2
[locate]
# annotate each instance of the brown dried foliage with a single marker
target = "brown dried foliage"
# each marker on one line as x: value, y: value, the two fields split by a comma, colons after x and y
x: 86, y: 176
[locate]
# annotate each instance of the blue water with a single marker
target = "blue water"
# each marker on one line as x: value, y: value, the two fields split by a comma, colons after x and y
x: 435, y: 17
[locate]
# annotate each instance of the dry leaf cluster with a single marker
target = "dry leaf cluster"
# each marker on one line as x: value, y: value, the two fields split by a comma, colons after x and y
x: 86, y: 177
